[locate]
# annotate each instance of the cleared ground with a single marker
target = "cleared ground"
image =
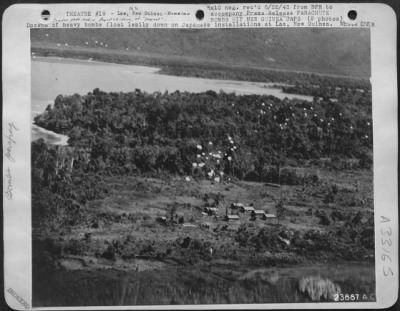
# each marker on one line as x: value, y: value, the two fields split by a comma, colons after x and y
x: 127, y: 225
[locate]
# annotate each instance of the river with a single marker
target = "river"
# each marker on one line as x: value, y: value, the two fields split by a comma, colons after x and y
x: 52, y: 76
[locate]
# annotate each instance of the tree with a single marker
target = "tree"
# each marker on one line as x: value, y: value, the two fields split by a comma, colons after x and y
x: 280, y: 210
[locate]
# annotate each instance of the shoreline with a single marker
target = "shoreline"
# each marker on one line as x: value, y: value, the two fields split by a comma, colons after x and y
x: 88, y: 61
x: 49, y: 137
x: 225, y: 84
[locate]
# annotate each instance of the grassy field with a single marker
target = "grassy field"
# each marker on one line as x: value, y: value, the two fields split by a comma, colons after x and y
x: 125, y: 227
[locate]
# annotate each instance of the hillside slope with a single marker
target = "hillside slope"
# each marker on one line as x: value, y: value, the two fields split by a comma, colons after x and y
x: 331, y: 51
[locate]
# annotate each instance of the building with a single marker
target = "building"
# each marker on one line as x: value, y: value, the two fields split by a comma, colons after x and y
x: 237, y: 205
x: 189, y: 225
x: 232, y: 217
x: 211, y: 210
x: 258, y: 214
x: 271, y: 217
x: 247, y: 209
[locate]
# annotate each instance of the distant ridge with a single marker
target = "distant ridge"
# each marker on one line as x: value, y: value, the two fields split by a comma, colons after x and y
x: 344, y: 52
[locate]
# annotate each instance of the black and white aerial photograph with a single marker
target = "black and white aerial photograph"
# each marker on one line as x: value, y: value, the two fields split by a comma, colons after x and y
x: 201, y: 166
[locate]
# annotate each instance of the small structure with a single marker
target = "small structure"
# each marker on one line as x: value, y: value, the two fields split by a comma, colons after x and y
x: 232, y: 217
x: 271, y: 217
x: 237, y: 205
x: 258, y: 214
x: 211, y: 210
x: 189, y: 225
x: 247, y: 209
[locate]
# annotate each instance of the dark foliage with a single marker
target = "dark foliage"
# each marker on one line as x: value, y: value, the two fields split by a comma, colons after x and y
x: 140, y: 132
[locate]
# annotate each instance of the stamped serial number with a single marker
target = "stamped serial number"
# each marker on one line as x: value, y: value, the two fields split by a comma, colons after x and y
x: 386, y: 244
x: 353, y: 297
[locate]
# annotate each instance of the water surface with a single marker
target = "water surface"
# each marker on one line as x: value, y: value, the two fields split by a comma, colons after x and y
x: 52, y: 76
